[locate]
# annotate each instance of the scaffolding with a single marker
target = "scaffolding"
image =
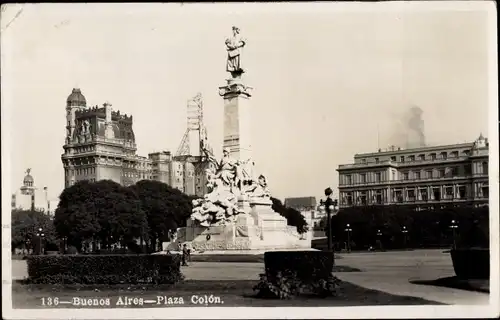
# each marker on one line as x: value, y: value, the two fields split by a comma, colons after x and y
x: 194, y: 124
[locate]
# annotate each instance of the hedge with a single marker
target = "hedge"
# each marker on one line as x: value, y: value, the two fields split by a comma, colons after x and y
x: 289, y: 273
x: 471, y: 263
x: 104, y: 269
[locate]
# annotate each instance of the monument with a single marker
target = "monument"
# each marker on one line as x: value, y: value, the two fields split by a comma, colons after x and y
x: 236, y: 212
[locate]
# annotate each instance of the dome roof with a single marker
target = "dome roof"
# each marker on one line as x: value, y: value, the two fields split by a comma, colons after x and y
x: 28, y: 178
x: 76, y: 98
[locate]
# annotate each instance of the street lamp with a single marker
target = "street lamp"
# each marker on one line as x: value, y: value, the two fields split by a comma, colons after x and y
x: 328, y: 205
x: 405, y: 234
x: 454, y: 227
x: 379, y: 235
x: 40, y: 235
x: 348, y: 229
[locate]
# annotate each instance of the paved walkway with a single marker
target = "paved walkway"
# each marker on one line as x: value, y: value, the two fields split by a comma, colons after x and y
x: 384, y: 271
x: 391, y: 271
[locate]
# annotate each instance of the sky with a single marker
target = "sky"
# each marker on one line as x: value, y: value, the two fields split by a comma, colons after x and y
x: 329, y: 82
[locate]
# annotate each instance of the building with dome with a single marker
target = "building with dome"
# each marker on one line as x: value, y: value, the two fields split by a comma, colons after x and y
x: 423, y: 176
x: 29, y: 197
x: 100, y: 145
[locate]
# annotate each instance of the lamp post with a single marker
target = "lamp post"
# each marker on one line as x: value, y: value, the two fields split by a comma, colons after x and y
x: 405, y: 234
x: 348, y: 229
x: 454, y: 227
x: 40, y: 235
x: 379, y: 236
x: 328, y: 205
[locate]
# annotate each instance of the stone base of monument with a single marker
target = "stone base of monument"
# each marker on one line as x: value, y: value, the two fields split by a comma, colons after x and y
x: 259, y: 230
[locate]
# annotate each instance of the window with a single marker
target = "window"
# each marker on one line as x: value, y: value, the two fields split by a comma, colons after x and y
x: 363, y: 198
x: 423, y: 195
x: 362, y: 177
x: 468, y: 169
x: 363, y: 160
x: 444, y: 155
x: 348, y: 179
x: 411, y: 158
x: 406, y: 175
x: 349, y: 198
x: 377, y: 176
x: 441, y: 173
x: 485, y: 167
x: 377, y: 160
x: 378, y: 197
x: 454, y: 171
x: 411, y: 195
x: 448, y: 191
x: 454, y: 154
x: 393, y: 158
x: 402, y: 158
x: 398, y: 196
x: 462, y: 192
x: 416, y: 175
x: 428, y: 174
x: 437, y: 193
x: 485, y: 192
x: 433, y: 156
x: 421, y: 157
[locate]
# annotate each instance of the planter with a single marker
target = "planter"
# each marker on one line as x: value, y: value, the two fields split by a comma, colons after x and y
x: 471, y: 263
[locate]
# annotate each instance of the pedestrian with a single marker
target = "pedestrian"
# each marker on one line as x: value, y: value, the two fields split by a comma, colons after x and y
x: 185, y: 254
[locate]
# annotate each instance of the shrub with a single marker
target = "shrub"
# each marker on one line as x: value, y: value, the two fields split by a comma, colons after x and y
x: 289, y: 273
x: 471, y: 263
x: 102, y: 269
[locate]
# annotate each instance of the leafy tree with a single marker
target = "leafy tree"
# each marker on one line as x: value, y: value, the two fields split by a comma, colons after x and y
x: 293, y: 217
x: 103, y: 210
x: 25, y: 225
x: 165, y: 207
x: 425, y: 228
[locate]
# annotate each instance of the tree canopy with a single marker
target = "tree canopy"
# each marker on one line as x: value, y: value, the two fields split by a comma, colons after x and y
x: 103, y: 210
x: 293, y: 216
x: 424, y: 228
x: 165, y: 207
x: 25, y: 225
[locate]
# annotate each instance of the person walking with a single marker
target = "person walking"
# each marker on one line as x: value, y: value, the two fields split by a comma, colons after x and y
x: 185, y: 254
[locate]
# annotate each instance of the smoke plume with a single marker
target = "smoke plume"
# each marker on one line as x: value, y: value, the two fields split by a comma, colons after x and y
x: 415, y: 133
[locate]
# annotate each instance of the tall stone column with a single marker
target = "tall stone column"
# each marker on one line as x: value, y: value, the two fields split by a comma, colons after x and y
x: 237, y: 119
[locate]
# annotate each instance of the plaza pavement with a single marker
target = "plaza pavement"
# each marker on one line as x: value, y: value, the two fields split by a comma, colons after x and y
x: 384, y: 271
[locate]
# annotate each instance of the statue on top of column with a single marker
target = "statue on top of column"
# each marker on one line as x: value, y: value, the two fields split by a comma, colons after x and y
x: 234, y: 44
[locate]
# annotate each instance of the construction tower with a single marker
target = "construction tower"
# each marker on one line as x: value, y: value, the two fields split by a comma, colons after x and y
x: 189, y: 156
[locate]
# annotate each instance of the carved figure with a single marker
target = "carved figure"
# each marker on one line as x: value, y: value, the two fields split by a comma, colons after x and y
x: 259, y: 189
x: 234, y: 44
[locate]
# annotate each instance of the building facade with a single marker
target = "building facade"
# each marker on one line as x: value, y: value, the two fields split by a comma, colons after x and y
x: 448, y: 174
x: 29, y: 197
x: 100, y: 145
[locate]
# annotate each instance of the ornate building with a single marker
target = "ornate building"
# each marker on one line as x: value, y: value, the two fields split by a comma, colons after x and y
x: 29, y: 197
x: 100, y: 144
x: 422, y: 176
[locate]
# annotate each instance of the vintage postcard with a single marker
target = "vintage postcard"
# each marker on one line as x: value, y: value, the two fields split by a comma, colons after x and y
x: 253, y: 160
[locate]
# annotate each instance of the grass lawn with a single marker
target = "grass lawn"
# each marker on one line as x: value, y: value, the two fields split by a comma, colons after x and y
x: 225, y: 293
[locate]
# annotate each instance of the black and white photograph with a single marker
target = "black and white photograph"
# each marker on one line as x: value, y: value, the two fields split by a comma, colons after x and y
x: 250, y: 160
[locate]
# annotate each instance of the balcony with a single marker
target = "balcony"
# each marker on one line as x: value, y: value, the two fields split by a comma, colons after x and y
x: 402, y: 202
x: 402, y: 164
x: 414, y: 181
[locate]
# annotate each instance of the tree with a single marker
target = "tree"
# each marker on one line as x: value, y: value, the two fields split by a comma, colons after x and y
x: 25, y: 225
x: 103, y: 210
x: 165, y: 207
x: 293, y: 217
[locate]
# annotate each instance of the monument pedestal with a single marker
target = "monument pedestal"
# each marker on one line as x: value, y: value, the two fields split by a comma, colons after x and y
x: 259, y: 230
